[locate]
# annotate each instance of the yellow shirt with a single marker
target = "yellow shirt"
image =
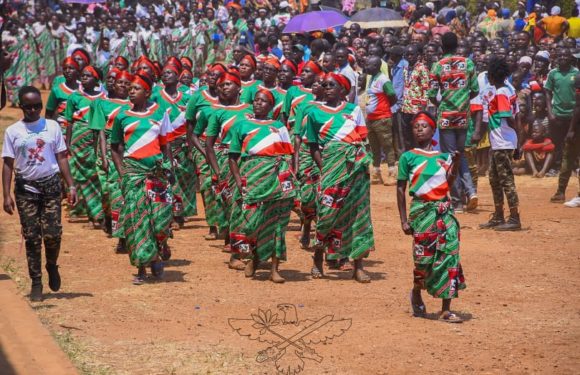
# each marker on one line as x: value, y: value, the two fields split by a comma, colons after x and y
x: 574, y: 30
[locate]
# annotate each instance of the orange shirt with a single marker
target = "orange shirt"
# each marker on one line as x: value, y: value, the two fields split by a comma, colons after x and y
x: 553, y: 25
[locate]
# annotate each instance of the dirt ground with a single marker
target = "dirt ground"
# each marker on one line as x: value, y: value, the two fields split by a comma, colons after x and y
x: 521, y: 302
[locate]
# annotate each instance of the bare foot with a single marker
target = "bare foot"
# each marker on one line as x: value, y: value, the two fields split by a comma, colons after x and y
x: 361, y: 276
x: 276, y: 277
x: 236, y: 264
x: 250, y: 268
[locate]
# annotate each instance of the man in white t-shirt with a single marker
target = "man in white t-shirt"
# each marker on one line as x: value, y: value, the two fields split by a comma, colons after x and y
x: 35, y: 152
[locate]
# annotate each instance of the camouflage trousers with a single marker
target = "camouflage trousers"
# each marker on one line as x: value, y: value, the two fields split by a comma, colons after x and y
x: 39, y: 209
x: 381, y: 138
x: 501, y: 178
x: 570, y: 157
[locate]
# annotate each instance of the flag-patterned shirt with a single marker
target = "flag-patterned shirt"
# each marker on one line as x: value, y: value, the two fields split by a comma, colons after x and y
x: 278, y: 93
x: 503, y: 105
x: 249, y: 87
x: 344, y: 123
x: 426, y: 172
x: 175, y: 107
x: 415, y: 97
x: 455, y: 77
x: 104, y: 111
x: 294, y: 97
x: 253, y: 137
x: 224, y: 118
x: 78, y: 107
x: 59, y: 94
x: 142, y: 133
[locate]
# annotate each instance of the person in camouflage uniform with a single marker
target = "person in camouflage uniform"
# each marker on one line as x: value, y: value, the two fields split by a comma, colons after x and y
x: 35, y: 150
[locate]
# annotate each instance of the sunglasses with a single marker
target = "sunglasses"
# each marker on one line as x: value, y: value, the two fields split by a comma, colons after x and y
x: 31, y: 107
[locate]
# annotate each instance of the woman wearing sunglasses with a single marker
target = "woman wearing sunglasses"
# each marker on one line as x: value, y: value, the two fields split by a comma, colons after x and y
x: 141, y: 155
x: 336, y: 132
x: 35, y: 150
x: 80, y: 140
x: 260, y: 157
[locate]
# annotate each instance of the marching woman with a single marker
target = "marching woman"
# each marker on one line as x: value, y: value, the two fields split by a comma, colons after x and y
x: 186, y: 82
x: 308, y: 173
x: 303, y: 93
x: 80, y: 139
x: 201, y: 102
x: 223, y: 118
x: 431, y: 222
x: 82, y: 59
x: 121, y: 63
x: 335, y: 133
x: 287, y: 74
x: 142, y: 158
x: 260, y: 158
x: 271, y: 67
x: 102, y: 118
x: 174, y: 103
x: 61, y: 92
x: 247, y: 67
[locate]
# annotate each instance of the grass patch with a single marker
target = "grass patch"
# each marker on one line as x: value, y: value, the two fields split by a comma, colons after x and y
x: 77, y: 354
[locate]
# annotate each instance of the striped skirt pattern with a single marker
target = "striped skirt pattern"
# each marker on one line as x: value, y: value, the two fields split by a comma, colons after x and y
x: 185, y: 176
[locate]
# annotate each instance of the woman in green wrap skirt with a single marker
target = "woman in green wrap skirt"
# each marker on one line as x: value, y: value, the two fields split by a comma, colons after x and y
x: 431, y: 222
x: 336, y: 132
x: 260, y: 158
x: 141, y: 155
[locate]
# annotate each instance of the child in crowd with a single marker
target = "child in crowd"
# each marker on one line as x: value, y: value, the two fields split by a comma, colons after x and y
x: 538, y: 153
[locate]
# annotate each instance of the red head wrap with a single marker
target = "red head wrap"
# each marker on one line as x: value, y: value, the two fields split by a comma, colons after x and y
x: 274, y: 62
x: 341, y: 80
x: 314, y: 67
x: 426, y: 118
x: 172, y: 60
x: 122, y: 60
x: 268, y: 94
x: 184, y: 71
x: 232, y: 76
x: 289, y: 63
x: 149, y: 63
x: 113, y: 72
x: 142, y: 80
x: 186, y: 62
x: 93, y: 72
x: 83, y: 55
x: 251, y: 59
x: 70, y: 61
x: 172, y: 67
x: 124, y: 75
x: 218, y: 67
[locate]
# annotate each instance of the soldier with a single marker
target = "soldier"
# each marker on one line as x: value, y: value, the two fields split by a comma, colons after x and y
x: 35, y: 150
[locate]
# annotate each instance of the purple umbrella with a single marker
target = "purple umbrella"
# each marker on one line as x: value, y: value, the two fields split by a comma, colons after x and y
x: 84, y: 1
x: 314, y: 21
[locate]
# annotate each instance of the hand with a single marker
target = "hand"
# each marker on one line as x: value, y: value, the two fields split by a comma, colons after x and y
x: 105, y: 165
x: 475, y: 138
x: 72, y: 196
x: 9, y: 205
x: 570, y: 136
x: 551, y: 116
x: 540, y: 174
x: 407, y: 228
x: 455, y: 156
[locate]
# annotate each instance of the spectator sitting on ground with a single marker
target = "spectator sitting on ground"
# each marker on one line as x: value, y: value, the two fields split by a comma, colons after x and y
x: 538, y: 153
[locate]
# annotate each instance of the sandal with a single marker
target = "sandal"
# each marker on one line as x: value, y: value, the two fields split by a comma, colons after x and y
x: 141, y: 276
x: 419, y: 311
x: 364, y: 279
x: 449, y: 317
x: 211, y: 237
x: 165, y: 252
x: 317, y: 269
x: 344, y: 265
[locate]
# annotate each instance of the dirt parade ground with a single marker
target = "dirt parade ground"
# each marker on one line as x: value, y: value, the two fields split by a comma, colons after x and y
x: 521, y: 304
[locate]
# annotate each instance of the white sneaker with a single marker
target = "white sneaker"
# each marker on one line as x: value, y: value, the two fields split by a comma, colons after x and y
x: 574, y: 202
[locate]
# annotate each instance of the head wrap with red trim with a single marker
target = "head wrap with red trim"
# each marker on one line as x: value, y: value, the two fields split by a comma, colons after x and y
x: 341, y: 80
x: 172, y: 67
x: 268, y: 94
x: 274, y: 62
x: 142, y: 80
x: 186, y: 62
x: 94, y: 72
x: 218, y: 67
x: 149, y: 63
x: 232, y: 76
x: 124, y: 75
x: 70, y: 61
x: 82, y: 54
x: 315, y: 67
x: 289, y: 63
x: 251, y: 59
x: 185, y: 71
x: 172, y: 60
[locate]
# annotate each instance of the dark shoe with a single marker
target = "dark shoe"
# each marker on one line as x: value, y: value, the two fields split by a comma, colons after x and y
x: 107, y: 225
x: 512, y: 224
x: 120, y: 248
x: 53, y: 277
x: 558, y: 198
x: 36, y: 293
x: 493, y: 222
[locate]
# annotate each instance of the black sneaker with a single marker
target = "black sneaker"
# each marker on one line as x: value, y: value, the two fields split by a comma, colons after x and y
x: 53, y: 277
x: 36, y: 293
x: 512, y: 224
x: 493, y: 222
